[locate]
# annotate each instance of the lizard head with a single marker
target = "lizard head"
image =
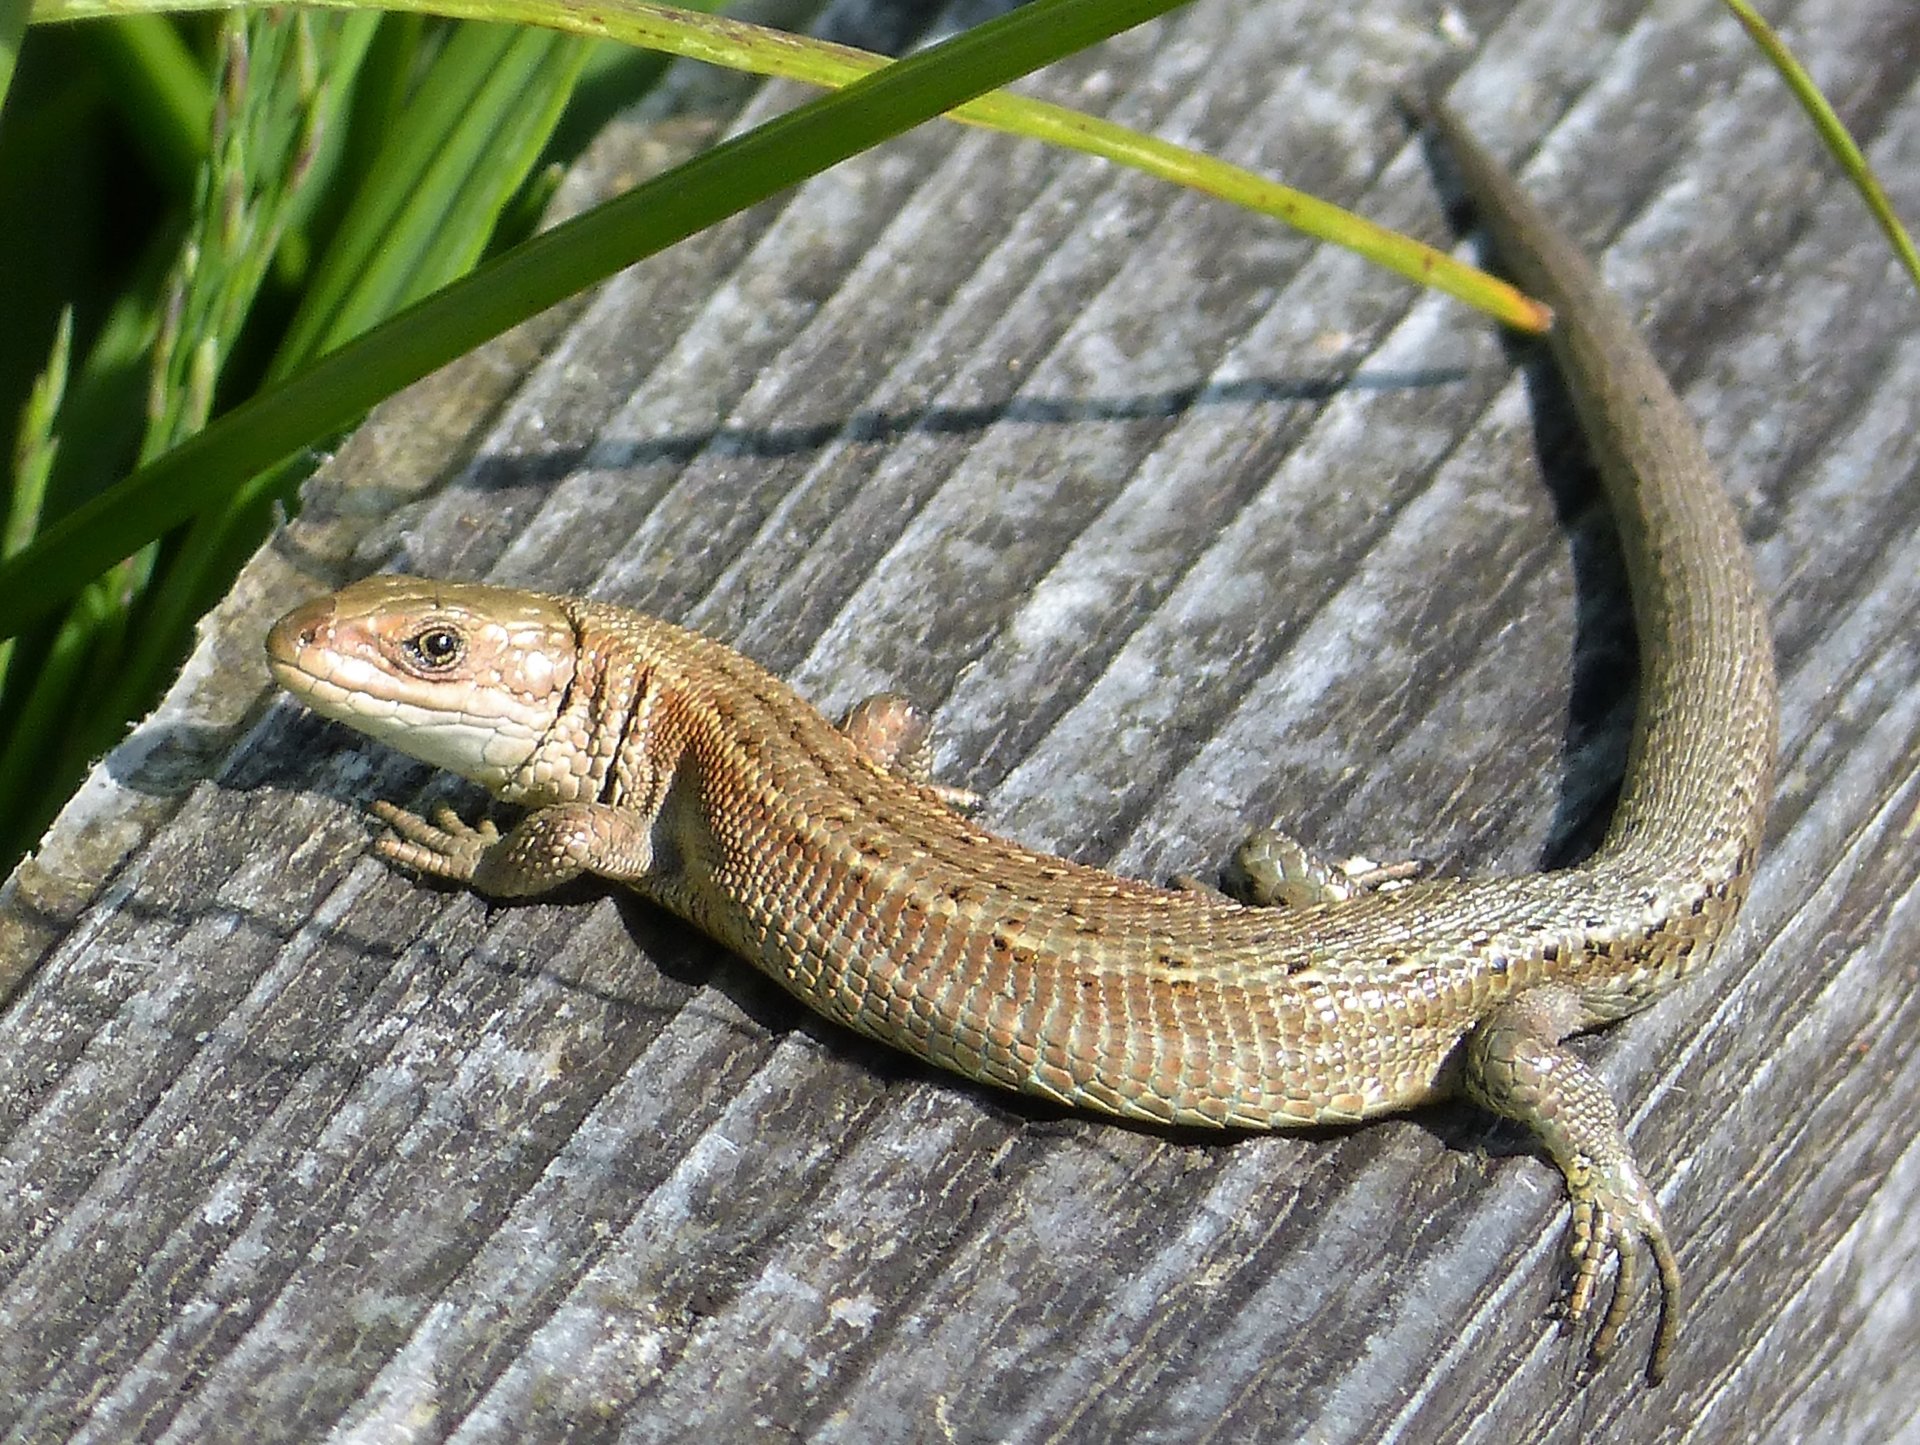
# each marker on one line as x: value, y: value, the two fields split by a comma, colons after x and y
x: 465, y: 677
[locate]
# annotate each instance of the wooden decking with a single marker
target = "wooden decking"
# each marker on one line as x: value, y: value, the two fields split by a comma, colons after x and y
x: 1182, y: 524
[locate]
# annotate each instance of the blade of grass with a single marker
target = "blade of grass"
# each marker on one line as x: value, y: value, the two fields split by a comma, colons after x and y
x: 93, y: 626
x: 731, y: 177
x: 13, y: 26
x: 1833, y: 131
x: 761, y: 51
x: 101, y: 414
x: 453, y: 162
x: 33, y: 454
x: 389, y: 59
x: 34, y: 450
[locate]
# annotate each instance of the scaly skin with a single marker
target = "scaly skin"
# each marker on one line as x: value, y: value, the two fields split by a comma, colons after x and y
x: 660, y: 759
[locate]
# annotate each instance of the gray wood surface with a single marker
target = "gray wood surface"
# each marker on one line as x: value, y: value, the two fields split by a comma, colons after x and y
x: 1182, y: 524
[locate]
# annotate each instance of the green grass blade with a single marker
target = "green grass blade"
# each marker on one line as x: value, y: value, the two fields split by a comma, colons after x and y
x: 453, y: 162
x: 383, y: 71
x: 329, y: 395
x: 100, y: 415
x: 13, y: 26
x: 1833, y: 131
x: 43, y: 720
x: 761, y: 51
x: 33, y: 454
x: 36, y: 446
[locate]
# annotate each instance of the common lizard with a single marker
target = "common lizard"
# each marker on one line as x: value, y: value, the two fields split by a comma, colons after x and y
x: 657, y: 758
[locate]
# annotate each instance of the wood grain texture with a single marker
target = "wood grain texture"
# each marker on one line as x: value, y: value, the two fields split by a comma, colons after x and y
x: 1182, y: 525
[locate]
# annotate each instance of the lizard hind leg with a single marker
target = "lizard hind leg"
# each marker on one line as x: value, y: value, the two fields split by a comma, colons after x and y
x: 1275, y: 868
x: 899, y: 736
x: 1517, y: 1068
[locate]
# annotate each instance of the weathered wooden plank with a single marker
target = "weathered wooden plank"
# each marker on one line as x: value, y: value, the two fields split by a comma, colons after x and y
x: 1182, y: 524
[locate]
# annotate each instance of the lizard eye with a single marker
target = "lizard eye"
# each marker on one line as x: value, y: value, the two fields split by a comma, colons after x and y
x: 437, y: 648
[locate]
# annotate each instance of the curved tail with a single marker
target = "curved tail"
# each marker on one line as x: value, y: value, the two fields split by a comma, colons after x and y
x: 1700, y: 770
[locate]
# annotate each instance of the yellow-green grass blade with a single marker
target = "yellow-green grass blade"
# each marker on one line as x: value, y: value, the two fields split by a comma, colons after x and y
x: 763, y: 51
x: 1839, y: 141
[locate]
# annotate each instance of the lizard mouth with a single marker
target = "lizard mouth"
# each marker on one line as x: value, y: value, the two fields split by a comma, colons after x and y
x: 428, y: 669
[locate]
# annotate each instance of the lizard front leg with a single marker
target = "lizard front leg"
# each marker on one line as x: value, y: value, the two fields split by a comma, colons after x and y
x: 544, y: 850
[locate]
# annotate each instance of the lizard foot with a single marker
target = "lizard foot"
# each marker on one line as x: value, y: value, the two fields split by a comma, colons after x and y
x: 446, y: 847
x: 1274, y: 868
x: 548, y: 847
x: 1516, y: 1066
x: 1614, y: 1216
x: 899, y: 736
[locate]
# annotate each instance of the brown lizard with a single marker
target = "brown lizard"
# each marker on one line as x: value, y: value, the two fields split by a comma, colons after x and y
x: 663, y: 760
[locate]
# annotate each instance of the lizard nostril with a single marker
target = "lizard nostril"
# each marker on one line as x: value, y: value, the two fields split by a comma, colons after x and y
x: 300, y: 630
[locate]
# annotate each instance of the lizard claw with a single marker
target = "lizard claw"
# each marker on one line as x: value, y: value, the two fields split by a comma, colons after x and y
x: 1615, y: 1217
x: 446, y: 847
